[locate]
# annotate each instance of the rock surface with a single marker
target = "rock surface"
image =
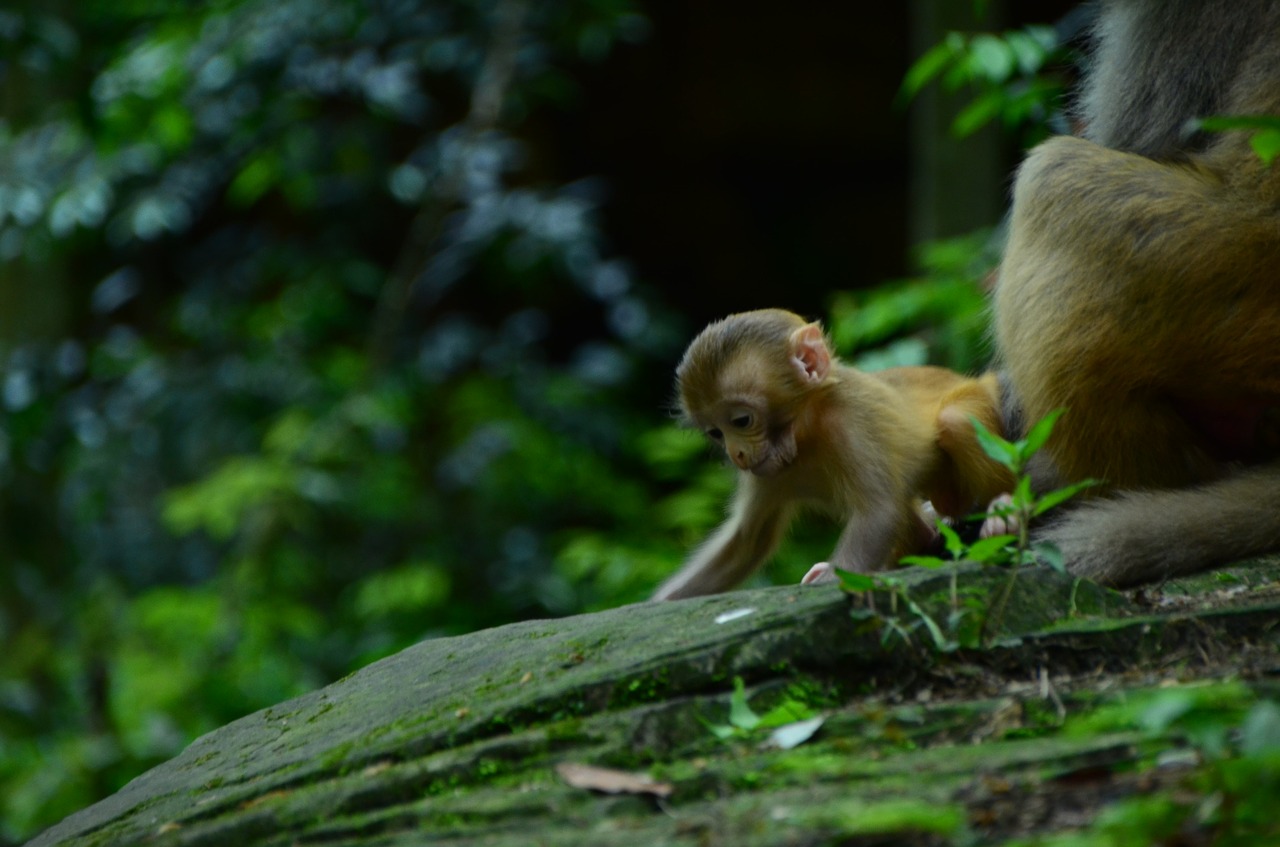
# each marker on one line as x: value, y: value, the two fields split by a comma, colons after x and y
x: 923, y: 733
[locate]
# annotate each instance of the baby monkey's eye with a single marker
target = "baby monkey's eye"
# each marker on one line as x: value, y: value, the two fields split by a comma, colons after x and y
x: 741, y: 421
x: 715, y: 434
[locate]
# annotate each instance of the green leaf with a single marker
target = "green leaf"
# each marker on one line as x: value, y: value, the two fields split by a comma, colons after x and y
x: 856, y: 582
x: 259, y: 175
x: 1048, y: 552
x: 982, y: 111
x: 1266, y: 144
x: 996, y: 447
x: 1039, y: 434
x: 1227, y: 123
x: 413, y: 588
x: 932, y: 562
x: 1023, y: 499
x: 1060, y: 495
x: 788, y: 711
x: 1260, y: 733
x: 927, y: 68
x: 670, y: 451
x: 1265, y: 140
x: 991, y: 58
x: 721, y: 731
x: 1166, y: 709
x: 902, y: 352
x: 220, y: 503
x: 935, y: 632
x: 986, y: 549
x: 173, y: 127
x: 1032, y: 46
x: 740, y: 714
x: 954, y: 545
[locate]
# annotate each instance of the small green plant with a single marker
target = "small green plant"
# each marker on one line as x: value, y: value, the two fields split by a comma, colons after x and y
x: 743, y: 720
x: 1013, y: 549
x: 1024, y: 505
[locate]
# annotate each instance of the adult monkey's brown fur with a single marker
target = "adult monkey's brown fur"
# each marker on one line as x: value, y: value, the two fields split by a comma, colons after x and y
x: 1141, y: 290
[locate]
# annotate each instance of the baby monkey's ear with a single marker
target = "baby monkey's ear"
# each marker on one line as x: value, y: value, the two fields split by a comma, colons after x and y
x: 810, y: 354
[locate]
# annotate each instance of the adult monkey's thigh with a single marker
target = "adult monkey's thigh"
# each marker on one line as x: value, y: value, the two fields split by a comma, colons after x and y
x: 1141, y: 290
x: 1145, y: 298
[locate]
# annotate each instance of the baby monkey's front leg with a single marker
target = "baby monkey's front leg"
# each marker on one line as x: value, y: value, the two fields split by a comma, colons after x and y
x: 875, y: 542
x: 1000, y: 520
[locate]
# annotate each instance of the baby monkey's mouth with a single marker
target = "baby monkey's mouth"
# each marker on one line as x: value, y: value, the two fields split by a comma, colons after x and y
x: 770, y: 466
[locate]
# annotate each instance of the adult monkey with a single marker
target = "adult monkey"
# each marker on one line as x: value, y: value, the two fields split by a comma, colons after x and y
x: 1141, y: 289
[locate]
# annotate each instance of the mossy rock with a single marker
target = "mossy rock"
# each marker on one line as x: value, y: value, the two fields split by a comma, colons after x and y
x: 926, y: 732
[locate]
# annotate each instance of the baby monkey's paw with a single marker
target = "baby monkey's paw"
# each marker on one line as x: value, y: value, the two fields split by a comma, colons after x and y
x: 1001, y: 519
x: 820, y: 574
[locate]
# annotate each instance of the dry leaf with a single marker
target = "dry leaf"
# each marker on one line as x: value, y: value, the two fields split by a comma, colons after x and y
x: 736, y: 614
x: 610, y: 781
x: 794, y: 734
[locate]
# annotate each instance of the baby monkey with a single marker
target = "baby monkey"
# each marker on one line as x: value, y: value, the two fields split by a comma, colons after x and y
x: 806, y: 430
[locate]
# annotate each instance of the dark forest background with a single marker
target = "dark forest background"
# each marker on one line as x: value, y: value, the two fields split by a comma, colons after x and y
x: 330, y: 326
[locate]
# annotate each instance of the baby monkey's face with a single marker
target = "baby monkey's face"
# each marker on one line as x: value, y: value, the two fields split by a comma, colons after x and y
x: 744, y: 380
x: 751, y: 439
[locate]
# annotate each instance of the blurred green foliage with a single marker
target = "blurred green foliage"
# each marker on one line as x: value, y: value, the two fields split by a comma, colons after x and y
x: 937, y: 317
x: 1011, y: 78
x: 300, y: 367
x: 1264, y: 132
x: 1227, y: 767
x: 305, y: 361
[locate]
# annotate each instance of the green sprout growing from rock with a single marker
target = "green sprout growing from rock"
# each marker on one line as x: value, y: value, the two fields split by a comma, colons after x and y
x: 1013, y: 549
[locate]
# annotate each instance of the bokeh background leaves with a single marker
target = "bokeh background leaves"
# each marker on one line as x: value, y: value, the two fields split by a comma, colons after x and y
x: 316, y: 342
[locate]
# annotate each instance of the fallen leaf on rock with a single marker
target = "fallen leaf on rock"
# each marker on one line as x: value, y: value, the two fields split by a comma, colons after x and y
x: 736, y: 614
x: 610, y: 781
x: 793, y: 734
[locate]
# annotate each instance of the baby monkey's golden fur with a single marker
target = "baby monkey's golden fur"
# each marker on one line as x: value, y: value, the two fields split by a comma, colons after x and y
x: 806, y: 431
